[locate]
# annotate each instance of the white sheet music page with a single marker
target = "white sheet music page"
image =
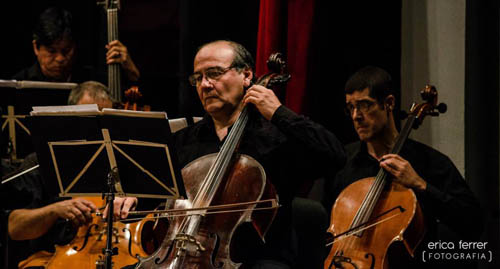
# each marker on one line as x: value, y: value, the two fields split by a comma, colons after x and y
x: 73, y: 110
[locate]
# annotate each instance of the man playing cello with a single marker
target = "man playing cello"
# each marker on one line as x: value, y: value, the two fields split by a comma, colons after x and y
x: 441, y: 191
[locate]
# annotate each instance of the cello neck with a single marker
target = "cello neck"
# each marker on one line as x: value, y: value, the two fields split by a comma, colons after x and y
x: 375, y: 191
x: 218, y: 169
x: 114, y: 76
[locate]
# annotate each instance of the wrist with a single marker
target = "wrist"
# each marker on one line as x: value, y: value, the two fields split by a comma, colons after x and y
x: 421, y: 185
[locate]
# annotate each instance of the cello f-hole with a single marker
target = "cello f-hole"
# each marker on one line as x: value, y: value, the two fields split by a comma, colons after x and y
x: 372, y: 266
x: 215, y: 250
x: 86, y: 238
x: 160, y: 260
x: 129, y: 241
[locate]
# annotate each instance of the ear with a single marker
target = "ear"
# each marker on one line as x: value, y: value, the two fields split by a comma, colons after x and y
x: 248, y: 76
x: 390, y: 102
x: 35, y: 48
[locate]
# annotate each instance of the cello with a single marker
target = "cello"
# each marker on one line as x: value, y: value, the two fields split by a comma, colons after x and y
x: 85, y: 250
x: 201, y: 239
x: 372, y: 213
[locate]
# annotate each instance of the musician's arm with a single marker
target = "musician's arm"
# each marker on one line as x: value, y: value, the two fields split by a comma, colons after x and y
x: 453, y: 203
x: 25, y: 224
x: 321, y: 148
x: 445, y: 192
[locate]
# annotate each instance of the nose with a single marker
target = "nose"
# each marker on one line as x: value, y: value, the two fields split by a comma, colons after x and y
x: 205, y: 82
x: 60, y: 57
x: 356, y: 114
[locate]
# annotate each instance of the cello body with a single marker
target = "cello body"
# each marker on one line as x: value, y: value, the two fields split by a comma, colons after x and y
x: 85, y: 250
x: 211, y: 246
x: 369, y: 250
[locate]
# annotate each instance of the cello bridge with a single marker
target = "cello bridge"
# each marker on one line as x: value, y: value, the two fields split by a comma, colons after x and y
x: 185, y: 242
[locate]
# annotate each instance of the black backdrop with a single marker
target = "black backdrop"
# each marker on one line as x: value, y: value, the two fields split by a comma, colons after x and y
x: 162, y: 37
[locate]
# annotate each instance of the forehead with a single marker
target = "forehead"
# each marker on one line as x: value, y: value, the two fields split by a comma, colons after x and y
x: 358, y: 95
x: 217, y: 54
x: 101, y: 103
x: 61, y: 44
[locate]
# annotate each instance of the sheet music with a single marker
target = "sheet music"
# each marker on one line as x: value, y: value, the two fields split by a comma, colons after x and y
x: 92, y: 110
x: 133, y: 113
x: 89, y: 109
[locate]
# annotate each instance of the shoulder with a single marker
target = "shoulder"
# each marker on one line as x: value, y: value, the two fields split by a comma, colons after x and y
x: 30, y: 73
x: 427, y: 152
x: 429, y: 162
x: 190, y: 132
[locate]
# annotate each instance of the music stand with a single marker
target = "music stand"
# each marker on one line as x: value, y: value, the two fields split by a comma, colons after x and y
x: 17, y: 99
x: 93, y: 153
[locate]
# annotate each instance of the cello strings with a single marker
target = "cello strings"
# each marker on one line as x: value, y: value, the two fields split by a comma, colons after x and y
x: 360, y: 215
x: 343, y: 237
x: 376, y: 189
x: 223, y: 159
x: 217, y: 170
x: 219, y: 167
x: 114, y: 69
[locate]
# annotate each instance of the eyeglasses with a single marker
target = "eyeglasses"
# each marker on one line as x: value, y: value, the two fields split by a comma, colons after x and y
x: 362, y: 106
x: 212, y: 74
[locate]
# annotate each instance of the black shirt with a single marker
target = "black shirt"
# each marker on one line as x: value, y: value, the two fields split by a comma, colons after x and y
x: 291, y: 148
x: 29, y: 191
x: 447, y: 200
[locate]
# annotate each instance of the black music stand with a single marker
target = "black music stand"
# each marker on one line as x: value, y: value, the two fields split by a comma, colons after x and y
x: 93, y: 153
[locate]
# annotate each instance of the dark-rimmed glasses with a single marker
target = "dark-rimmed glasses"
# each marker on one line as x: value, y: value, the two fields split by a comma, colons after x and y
x: 211, y: 74
x: 362, y: 106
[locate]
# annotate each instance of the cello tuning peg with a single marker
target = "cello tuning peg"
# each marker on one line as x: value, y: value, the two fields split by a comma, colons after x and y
x: 442, y: 108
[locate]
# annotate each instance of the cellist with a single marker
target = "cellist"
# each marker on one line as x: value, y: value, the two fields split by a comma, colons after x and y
x: 37, y: 221
x: 441, y: 191
x: 290, y: 147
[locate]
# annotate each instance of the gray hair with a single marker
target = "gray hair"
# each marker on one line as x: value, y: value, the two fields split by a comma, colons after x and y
x: 96, y: 90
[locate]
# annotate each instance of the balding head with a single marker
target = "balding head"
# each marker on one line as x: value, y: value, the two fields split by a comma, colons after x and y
x: 91, y: 92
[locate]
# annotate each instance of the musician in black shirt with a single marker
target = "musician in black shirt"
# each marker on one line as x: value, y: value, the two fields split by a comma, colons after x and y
x: 55, y: 47
x: 291, y: 148
x: 442, y: 192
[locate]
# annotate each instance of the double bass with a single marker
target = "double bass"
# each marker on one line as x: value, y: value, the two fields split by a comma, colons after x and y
x: 133, y: 94
x: 235, y: 184
x: 372, y: 213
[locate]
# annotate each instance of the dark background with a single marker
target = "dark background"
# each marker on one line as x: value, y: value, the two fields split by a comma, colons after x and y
x: 162, y: 38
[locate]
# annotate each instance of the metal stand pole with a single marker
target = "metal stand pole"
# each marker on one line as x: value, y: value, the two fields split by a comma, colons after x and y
x: 109, y: 251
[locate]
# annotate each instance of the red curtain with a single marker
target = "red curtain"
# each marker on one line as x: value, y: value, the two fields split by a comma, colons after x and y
x: 285, y: 26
